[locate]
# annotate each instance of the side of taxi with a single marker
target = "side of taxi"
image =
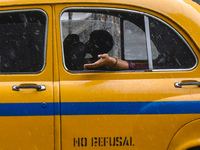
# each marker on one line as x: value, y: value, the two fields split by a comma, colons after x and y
x: 48, y: 101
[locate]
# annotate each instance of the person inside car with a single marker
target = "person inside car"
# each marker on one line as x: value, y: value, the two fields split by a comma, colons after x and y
x: 115, y: 64
x: 99, y: 44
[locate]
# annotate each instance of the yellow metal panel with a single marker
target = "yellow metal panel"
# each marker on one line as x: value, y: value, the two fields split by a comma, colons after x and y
x: 30, y: 132
x: 149, y: 127
x: 26, y: 118
x: 187, y: 136
x: 119, y: 132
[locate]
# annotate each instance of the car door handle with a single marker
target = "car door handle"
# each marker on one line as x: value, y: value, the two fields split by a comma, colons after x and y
x: 37, y: 87
x: 179, y: 84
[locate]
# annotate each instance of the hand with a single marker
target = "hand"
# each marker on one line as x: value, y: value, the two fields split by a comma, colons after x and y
x: 104, y: 59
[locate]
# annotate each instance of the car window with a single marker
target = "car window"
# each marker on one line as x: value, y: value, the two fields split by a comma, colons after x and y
x: 174, y: 53
x: 130, y: 32
x: 22, y: 40
x: 197, y: 1
x: 76, y: 30
x: 134, y: 41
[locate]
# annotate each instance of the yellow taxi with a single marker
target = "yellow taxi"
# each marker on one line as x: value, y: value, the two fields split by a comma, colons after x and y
x: 58, y: 93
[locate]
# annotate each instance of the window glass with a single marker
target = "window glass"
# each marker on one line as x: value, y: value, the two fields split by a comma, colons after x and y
x: 174, y: 53
x: 22, y: 40
x: 123, y: 35
x: 197, y: 1
x: 126, y: 29
x: 134, y: 42
x: 77, y: 28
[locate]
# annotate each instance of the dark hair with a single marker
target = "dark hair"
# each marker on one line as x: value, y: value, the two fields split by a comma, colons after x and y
x: 100, y: 42
x: 74, y: 51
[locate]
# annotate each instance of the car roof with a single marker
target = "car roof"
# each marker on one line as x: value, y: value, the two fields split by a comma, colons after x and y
x: 166, y: 7
x: 141, y: 3
x: 186, y: 13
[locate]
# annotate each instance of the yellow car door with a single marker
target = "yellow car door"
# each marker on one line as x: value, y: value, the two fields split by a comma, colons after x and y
x: 138, y: 108
x: 26, y: 78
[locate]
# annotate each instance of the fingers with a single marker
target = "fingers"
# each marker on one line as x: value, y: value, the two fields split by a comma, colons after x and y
x: 103, y: 55
x: 98, y: 63
x: 92, y: 65
x: 89, y: 66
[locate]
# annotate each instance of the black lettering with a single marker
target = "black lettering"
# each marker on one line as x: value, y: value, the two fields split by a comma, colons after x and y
x: 118, y: 141
x: 126, y: 142
x: 80, y: 142
x: 76, y: 142
x: 131, y: 142
x: 112, y: 141
x: 101, y: 141
x: 105, y: 140
x: 94, y: 141
x: 83, y: 142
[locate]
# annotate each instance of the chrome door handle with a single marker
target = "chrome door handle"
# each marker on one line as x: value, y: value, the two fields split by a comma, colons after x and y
x: 37, y: 87
x: 179, y: 84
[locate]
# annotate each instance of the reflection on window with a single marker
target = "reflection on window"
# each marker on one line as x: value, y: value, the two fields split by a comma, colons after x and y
x: 78, y: 27
x: 83, y: 40
x: 22, y: 39
x: 134, y: 42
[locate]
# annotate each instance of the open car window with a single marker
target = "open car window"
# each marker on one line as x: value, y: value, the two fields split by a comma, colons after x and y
x: 138, y: 38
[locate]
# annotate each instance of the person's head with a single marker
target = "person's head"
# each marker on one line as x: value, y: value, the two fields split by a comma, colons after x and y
x: 74, y: 52
x: 100, y: 42
x: 71, y: 39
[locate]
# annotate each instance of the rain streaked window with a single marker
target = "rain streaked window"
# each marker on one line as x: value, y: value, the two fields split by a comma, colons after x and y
x: 131, y: 32
x: 134, y: 42
x: 174, y: 53
x: 22, y: 40
x: 81, y: 25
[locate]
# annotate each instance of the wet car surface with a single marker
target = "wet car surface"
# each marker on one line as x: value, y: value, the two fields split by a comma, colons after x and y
x: 49, y: 100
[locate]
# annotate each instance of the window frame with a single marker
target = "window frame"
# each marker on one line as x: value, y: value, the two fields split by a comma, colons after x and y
x: 45, y: 38
x: 147, y: 33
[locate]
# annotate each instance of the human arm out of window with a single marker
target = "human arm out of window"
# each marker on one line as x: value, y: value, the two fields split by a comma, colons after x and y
x: 113, y: 63
x: 116, y: 64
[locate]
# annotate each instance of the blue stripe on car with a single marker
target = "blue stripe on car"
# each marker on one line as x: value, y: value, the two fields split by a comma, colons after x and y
x: 100, y: 108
